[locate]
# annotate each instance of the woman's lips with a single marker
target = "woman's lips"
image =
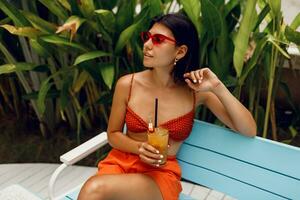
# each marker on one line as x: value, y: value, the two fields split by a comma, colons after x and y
x: 147, y: 55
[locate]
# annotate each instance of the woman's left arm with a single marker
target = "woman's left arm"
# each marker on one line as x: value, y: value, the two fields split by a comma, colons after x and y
x: 221, y: 102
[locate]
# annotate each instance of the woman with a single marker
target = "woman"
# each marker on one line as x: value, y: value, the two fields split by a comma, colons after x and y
x: 133, y: 169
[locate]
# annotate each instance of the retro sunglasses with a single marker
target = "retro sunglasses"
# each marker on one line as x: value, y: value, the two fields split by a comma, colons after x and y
x: 156, y: 38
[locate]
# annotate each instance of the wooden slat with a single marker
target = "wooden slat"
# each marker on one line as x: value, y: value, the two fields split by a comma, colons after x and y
x: 257, y: 151
x: 243, y: 172
x: 230, y: 186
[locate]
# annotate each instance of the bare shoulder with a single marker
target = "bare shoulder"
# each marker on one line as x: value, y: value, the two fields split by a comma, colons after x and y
x: 124, y: 81
x: 123, y: 87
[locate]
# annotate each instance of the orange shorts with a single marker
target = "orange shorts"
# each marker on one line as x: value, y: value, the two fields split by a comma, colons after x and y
x: 167, y: 177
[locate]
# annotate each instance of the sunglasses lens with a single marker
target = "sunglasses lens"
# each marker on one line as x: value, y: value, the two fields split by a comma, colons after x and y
x: 157, y: 39
x: 145, y: 36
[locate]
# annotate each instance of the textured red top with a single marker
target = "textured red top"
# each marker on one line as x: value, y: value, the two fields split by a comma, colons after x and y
x: 179, y: 128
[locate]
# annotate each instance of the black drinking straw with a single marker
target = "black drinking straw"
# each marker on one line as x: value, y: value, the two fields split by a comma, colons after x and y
x: 155, y: 117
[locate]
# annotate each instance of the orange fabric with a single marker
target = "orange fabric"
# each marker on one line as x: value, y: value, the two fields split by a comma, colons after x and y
x: 179, y: 128
x: 167, y: 177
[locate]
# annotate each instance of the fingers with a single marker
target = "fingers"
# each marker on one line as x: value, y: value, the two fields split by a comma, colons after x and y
x: 195, y: 76
x: 150, y: 161
x: 150, y: 155
x: 190, y: 84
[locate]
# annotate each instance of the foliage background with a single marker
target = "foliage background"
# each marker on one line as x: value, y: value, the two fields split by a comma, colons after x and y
x: 60, y: 59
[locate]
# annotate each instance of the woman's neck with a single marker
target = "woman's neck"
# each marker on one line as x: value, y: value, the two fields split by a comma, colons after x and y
x: 162, y: 78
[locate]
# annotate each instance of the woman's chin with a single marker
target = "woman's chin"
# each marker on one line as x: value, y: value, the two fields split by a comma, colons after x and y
x: 147, y: 64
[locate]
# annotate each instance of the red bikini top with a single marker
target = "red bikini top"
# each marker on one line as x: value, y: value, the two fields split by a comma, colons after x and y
x: 179, y: 128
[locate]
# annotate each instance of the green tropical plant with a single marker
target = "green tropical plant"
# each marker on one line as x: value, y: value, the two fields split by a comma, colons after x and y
x: 70, y: 53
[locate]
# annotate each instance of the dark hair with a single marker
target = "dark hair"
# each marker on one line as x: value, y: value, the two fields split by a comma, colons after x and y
x: 185, y: 33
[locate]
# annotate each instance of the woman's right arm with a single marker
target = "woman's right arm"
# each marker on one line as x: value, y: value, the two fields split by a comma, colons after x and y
x: 117, y: 118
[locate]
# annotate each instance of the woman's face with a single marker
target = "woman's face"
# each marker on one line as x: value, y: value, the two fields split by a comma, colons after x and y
x: 162, y: 54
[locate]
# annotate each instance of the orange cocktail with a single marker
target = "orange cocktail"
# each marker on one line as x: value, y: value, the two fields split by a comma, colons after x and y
x: 159, y: 140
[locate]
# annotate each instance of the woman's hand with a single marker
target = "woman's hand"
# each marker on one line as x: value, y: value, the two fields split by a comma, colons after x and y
x: 150, y: 155
x: 202, y: 80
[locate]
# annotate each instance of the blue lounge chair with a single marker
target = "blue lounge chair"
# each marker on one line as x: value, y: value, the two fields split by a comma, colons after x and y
x: 218, y: 158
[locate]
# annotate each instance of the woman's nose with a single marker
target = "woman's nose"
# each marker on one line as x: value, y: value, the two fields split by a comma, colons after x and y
x: 148, y: 44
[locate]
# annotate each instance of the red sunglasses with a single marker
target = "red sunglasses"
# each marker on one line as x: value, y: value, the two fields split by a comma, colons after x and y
x: 156, y: 38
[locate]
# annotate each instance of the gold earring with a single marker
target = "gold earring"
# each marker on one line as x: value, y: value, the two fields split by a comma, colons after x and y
x: 175, y: 62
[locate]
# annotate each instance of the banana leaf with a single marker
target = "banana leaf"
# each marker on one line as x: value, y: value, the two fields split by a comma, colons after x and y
x: 55, y: 8
x: 154, y: 7
x: 39, y: 23
x: 107, y: 19
x: 292, y: 35
x: 22, y: 31
x: 80, y: 81
x: 125, y: 15
x: 108, y: 72
x: 53, y: 39
x: 17, y: 67
x: 260, y: 44
x: 125, y: 36
x: 90, y: 56
x: 13, y: 13
x: 41, y: 48
x: 242, y: 38
x: 87, y: 8
x: 192, y: 9
x: 213, y: 23
x: 65, y: 4
x: 296, y: 22
x: 275, y: 6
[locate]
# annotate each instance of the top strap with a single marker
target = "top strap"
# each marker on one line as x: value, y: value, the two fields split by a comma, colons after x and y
x: 130, y: 88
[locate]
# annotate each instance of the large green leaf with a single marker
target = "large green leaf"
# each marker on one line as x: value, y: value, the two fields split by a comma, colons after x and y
x: 80, y: 81
x: 260, y: 44
x: 213, y: 23
x: 45, y: 87
x: 275, y: 6
x: 21, y: 66
x: 90, y: 56
x: 154, y: 7
x: 108, y: 73
x: 125, y: 36
x: 107, y: 19
x: 40, y: 47
x: 39, y: 23
x: 224, y: 49
x: 65, y: 4
x: 242, y: 38
x: 55, y: 8
x: 262, y: 16
x: 13, y: 13
x: 192, y: 9
x: 22, y: 31
x: 124, y: 16
x: 296, y: 22
x: 54, y: 39
x: 87, y: 8
x: 292, y: 35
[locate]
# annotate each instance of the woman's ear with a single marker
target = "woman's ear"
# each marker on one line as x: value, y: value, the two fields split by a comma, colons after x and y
x: 181, y: 51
